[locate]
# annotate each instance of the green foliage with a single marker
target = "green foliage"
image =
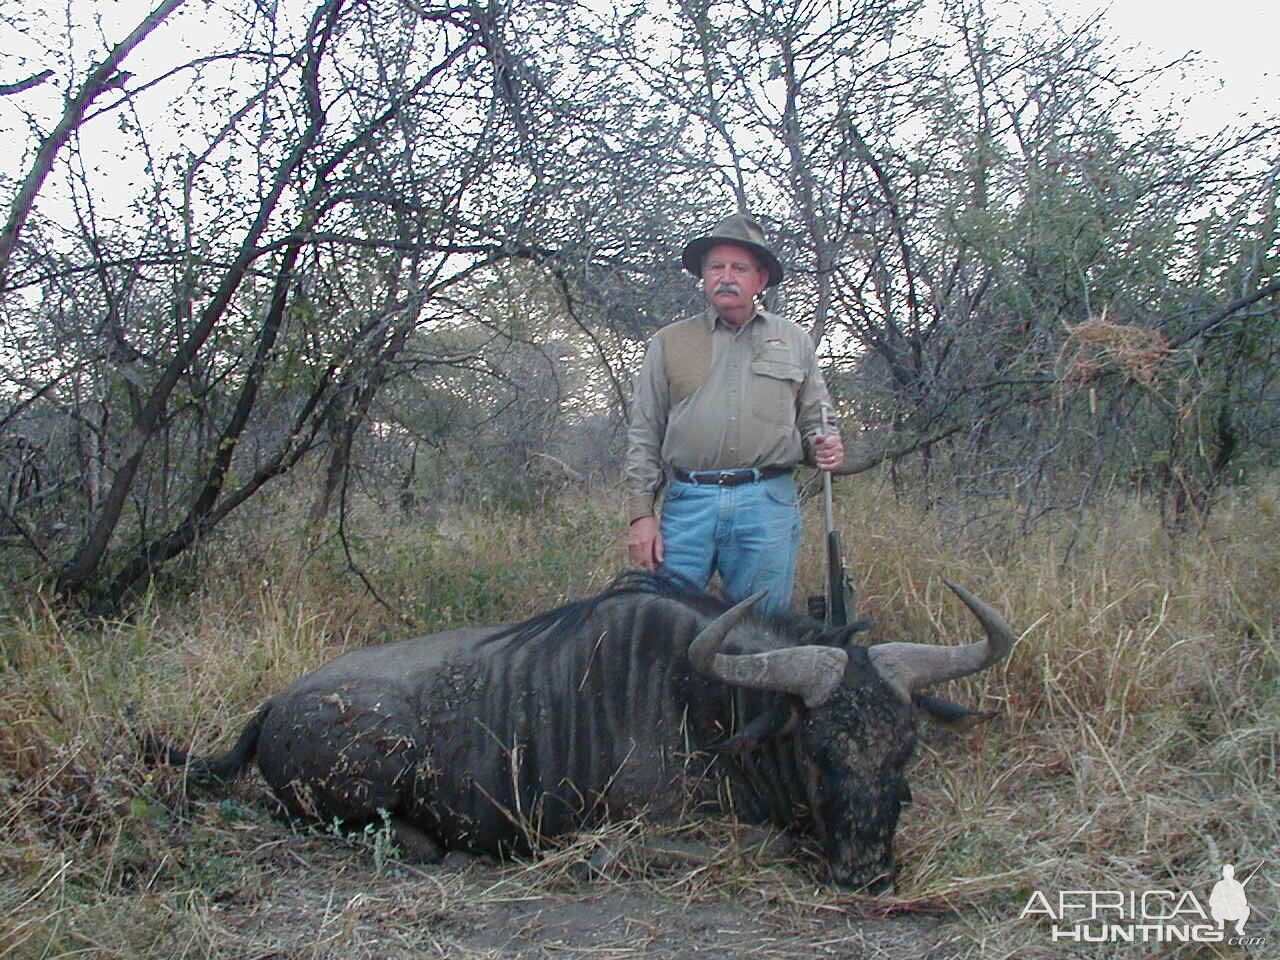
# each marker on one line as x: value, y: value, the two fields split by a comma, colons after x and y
x: 378, y: 839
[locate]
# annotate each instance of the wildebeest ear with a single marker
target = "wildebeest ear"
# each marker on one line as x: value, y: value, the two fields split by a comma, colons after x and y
x: 948, y: 714
x: 776, y: 722
x: 843, y: 636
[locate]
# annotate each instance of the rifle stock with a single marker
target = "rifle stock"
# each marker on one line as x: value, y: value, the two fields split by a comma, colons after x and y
x: 837, y: 609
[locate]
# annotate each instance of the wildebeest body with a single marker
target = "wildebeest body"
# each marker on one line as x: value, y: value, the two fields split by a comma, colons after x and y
x: 489, y: 738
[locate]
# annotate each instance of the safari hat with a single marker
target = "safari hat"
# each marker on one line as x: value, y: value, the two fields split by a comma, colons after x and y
x: 738, y: 229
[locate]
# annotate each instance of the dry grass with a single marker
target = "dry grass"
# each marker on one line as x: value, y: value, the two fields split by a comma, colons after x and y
x: 1098, y: 345
x: 1138, y: 748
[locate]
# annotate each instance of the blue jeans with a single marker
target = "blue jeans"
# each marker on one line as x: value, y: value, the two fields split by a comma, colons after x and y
x: 749, y: 533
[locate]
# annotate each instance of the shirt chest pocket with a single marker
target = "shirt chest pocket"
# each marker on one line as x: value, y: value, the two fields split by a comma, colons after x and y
x: 775, y: 384
x: 686, y: 361
x: 686, y: 373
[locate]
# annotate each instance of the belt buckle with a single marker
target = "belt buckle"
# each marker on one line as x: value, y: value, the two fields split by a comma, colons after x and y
x: 725, y: 478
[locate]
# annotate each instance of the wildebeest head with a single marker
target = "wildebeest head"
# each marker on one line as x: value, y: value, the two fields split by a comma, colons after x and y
x: 852, y: 724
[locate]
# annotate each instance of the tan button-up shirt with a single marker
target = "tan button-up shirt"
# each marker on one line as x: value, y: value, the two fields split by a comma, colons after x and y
x: 709, y: 397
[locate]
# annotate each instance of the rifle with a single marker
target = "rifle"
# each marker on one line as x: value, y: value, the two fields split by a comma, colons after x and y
x: 833, y: 609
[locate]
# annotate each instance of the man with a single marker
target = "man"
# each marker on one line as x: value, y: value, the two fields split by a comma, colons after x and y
x: 726, y: 404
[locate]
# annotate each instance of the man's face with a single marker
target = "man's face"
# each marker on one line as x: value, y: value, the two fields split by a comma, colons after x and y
x: 732, y: 278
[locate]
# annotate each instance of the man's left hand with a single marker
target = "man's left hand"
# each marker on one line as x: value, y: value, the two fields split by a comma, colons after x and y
x: 828, y: 451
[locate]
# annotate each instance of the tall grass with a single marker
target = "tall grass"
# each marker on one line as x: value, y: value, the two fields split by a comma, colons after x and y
x: 1137, y: 745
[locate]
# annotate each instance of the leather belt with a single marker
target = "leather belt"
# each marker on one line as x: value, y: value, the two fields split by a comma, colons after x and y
x: 729, y: 478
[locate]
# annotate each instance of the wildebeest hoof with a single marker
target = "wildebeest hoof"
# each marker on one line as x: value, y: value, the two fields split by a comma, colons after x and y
x: 461, y: 859
x: 415, y: 845
x: 601, y: 860
x: 660, y: 854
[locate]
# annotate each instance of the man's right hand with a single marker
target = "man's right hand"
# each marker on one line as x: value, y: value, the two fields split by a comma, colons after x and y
x: 644, y: 543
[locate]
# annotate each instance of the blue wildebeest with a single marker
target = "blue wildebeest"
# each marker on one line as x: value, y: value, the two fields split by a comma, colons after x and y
x: 648, y: 698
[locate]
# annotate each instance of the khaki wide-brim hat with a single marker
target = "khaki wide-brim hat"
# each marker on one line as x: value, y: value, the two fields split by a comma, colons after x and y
x: 740, y: 230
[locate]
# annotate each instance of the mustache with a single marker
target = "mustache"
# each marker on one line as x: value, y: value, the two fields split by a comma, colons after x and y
x: 726, y: 287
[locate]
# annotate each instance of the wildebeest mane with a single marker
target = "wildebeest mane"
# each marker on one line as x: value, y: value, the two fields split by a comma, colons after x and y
x: 565, y: 620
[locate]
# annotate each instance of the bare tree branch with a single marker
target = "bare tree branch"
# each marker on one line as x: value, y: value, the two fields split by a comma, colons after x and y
x: 32, y: 81
x: 77, y: 571
x: 1225, y: 314
x: 100, y: 79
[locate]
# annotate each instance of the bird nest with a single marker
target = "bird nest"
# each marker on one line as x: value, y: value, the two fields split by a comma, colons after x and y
x: 1099, y: 346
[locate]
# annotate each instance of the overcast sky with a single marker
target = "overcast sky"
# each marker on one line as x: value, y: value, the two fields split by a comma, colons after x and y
x: 1237, y: 80
x: 1237, y: 39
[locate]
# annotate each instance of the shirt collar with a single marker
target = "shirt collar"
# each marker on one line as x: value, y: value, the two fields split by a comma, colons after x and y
x: 710, y: 317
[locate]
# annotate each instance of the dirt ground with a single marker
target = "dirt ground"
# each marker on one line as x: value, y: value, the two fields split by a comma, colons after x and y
x: 316, y: 896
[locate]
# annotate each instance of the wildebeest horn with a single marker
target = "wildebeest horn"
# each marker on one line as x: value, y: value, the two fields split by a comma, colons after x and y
x: 812, y: 672
x: 909, y: 666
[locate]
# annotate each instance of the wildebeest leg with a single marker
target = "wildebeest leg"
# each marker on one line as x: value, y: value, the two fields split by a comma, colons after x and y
x: 345, y: 754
